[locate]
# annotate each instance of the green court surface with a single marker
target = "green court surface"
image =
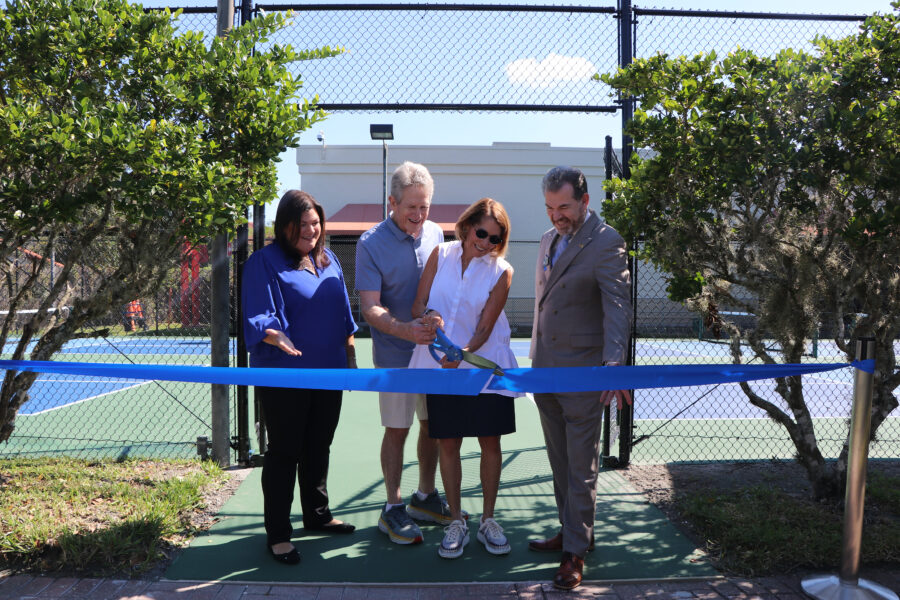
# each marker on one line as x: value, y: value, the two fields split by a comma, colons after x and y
x: 634, y: 540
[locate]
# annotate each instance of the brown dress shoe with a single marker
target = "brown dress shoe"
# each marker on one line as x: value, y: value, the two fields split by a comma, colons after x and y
x: 570, y: 572
x: 554, y: 544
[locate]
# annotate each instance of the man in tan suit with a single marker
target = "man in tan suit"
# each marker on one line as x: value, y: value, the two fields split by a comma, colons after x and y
x: 582, y: 318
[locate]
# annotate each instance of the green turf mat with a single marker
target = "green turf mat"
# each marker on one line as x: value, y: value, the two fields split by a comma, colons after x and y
x: 634, y: 540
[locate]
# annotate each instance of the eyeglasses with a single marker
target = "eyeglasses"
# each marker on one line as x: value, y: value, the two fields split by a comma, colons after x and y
x: 494, y: 239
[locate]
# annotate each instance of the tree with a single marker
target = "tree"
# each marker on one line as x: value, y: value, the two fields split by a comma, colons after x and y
x: 123, y: 138
x: 772, y: 186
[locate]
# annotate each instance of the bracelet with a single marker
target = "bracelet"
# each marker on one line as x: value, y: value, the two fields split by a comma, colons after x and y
x: 428, y: 310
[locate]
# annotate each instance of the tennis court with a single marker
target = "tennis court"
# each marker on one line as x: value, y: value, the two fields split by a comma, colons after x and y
x: 98, y: 417
x: 112, y: 417
x: 53, y: 391
x: 718, y: 422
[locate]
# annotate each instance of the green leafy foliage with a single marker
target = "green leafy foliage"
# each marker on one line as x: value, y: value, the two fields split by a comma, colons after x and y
x: 120, y: 133
x: 771, y: 185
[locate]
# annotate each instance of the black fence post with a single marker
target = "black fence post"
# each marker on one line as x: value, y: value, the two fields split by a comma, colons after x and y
x: 243, y: 408
x: 626, y: 51
x: 241, y: 254
x: 259, y: 240
x: 605, y: 459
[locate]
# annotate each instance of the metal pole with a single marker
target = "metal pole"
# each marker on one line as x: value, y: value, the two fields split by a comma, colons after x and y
x: 847, y: 585
x: 224, y: 17
x: 219, y: 323
x: 626, y: 16
x: 605, y: 459
x: 259, y: 418
x: 241, y: 254
x: 220, y: 319
x: 384, y: 179
x: 243, y: 399
x: 626, y: 42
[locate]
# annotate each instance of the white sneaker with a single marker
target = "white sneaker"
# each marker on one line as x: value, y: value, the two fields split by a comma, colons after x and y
x: 491, y: 535
x: 456, y: 536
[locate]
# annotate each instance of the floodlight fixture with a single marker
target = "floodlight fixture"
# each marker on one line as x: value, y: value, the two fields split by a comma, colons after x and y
x: 381, y: 131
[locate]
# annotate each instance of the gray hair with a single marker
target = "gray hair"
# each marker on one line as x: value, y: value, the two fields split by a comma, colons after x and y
x: 557, y: 177
x: 409, y: 174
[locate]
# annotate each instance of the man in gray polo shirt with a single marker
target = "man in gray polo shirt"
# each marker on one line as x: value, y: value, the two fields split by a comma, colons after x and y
x: 389, y: 261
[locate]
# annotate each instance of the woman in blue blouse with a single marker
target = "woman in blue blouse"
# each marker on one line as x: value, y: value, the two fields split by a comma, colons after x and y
x: 297, y: 315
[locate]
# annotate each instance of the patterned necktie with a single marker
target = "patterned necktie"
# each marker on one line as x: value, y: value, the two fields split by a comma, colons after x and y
x: 561, y: 243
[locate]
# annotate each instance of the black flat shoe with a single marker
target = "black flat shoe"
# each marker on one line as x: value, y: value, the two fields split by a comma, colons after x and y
x: 335, y: 528
x: 288, y: 558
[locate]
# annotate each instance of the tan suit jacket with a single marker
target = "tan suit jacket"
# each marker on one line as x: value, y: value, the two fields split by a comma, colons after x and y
x: 582, y: 309
x: 582, y: 317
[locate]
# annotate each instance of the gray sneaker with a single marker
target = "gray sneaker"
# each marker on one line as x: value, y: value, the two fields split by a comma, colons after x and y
x: 491, y: 535
x: 433, y: 508
x: 399, y: 526
x: 456, y: 536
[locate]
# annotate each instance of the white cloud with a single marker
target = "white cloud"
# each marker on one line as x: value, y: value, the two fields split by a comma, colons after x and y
x: 553, y: 70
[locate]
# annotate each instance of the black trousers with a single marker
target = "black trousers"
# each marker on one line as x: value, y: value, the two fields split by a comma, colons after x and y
x: 300, y: 425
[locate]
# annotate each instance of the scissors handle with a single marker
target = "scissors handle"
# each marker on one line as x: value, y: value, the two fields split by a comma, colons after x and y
x: 453, y: 352
x: 443, y: 344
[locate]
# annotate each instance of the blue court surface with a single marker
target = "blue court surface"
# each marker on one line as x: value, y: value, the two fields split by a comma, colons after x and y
x: 58, y: 390
x: 128, y: 346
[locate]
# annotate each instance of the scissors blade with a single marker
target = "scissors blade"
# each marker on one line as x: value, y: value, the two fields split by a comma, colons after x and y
x: 481, y: 362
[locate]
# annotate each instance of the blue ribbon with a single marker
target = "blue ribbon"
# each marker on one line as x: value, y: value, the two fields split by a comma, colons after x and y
x: 592, y: 379
x: 867, y: 366
x: 467, y: 382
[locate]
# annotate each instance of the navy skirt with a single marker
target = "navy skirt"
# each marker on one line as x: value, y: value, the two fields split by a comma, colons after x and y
x: 453, y: 416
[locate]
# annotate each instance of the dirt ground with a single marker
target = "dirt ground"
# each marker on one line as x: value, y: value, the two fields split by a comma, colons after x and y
x: 661, y: 484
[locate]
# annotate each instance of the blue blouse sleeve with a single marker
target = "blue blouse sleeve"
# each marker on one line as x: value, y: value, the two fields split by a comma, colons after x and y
x: 262, y: 300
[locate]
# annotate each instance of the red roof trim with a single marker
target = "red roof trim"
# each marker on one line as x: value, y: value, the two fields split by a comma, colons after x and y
x: 356, y: 219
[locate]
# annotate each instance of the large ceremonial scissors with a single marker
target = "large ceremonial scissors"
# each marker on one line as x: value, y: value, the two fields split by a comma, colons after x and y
x: 453, y: 352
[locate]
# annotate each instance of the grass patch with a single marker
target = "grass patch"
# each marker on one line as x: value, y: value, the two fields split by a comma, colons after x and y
x: 761, y: 530
x: 108, y: 517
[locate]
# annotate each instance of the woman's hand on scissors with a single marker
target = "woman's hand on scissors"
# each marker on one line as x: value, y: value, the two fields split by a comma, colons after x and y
x: 449, y: 364
x: 433, y: 319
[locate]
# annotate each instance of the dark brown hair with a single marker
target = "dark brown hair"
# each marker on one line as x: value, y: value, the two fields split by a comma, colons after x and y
x: 557, y: 177
x: 290, y: 210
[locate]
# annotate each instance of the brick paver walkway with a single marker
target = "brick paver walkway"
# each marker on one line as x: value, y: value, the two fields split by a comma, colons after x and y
x: 26, y: 587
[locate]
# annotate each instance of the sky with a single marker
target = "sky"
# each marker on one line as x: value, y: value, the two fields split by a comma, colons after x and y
x: 558, y: 129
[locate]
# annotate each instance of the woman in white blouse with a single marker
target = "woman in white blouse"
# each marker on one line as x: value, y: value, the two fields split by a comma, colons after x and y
x: 463, y: 290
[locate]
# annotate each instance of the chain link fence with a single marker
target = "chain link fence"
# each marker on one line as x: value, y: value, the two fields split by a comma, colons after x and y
x: 443, y: 58
x: 718, y: 422
x: 93, y: 417
x: 687, y: 33
x: 454, y: 55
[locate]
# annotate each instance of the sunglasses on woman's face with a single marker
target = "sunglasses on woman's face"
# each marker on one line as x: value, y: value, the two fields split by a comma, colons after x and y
x: 494, y: 239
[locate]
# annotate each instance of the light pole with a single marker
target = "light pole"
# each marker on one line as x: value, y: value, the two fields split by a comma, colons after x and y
x: 383, y: 132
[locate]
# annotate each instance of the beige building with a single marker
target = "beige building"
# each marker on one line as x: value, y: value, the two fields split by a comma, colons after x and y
x: 347, y: 181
